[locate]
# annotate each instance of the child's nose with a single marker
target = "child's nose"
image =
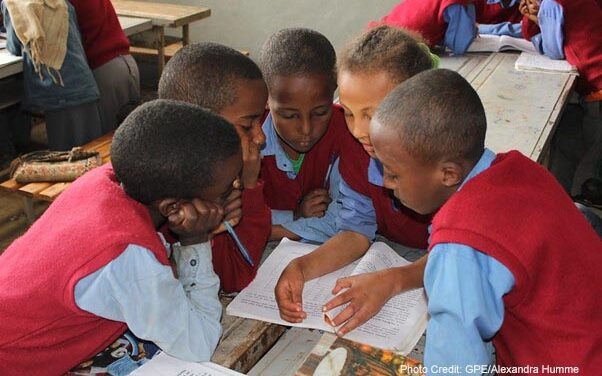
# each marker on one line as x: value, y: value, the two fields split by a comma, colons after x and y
x: 258, y: 136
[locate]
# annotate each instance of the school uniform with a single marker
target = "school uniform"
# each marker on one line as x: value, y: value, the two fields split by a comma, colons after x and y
x: 108, y: 53
x: 447, y: 22
x: 284, y: 188
x: 367, y: 207
x: 494, y: 18
x: 92, y: 264
x: 568, y: 30
x: 508, y: 253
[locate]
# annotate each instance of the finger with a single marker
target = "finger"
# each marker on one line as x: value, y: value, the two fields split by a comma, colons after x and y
x: 343, y: 316
x: 351, y: 324
x: 342, y: 283
x: 233, y: 205
x: 233, y: 218
x: 337, y: 301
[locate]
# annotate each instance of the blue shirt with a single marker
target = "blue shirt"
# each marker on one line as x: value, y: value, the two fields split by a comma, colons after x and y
x: 465, y: 288
x: 357, y: 211
x: 550, y: 41
x: 503, y: 28
x: 181, y: 316
x: 310, y: 229
x: 461, y: 27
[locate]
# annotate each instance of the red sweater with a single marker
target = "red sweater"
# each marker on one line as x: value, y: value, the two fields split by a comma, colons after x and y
x: 496, y: 13
x: 583, y: 41
x: 43, y: 330
x: 101, y: 31
x: 516, y: 212
x: 282, y: 193
x: 529, y: 28
x: 394, y: 221
x: 254, y: 231
x: 422, y: 16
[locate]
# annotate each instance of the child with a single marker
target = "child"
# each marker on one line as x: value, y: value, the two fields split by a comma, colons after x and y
x: 571, y: 30
x: 57, y: 79
x: 108, y: 53
x: 229, y: 84
x: 304, y: 133
x: 498, y: 216
x: 369, y: 67
x: 94, y: 265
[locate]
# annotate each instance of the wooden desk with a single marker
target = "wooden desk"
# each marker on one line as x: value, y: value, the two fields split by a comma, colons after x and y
x: 522, y: 108
x: 162, y: 15
x: 133, y: 25
x: 9, y: 64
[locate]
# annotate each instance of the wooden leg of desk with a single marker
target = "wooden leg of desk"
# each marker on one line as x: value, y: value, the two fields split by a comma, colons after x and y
x: 185, y: 35
x: 28, y: 209
x: 160, y: 39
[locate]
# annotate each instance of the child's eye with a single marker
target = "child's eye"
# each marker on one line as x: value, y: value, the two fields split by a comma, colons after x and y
x: 368, y: 117
x: 288, y: 116
x: 245, y: 128
x: 348, y: 115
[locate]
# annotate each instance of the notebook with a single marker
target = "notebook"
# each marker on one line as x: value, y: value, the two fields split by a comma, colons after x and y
x: 542, y: 63
x: 165, y: 365
x: 398, y: 326
x: 499, y: 43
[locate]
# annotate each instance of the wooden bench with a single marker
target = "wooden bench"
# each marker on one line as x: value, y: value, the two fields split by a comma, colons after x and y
x: 48, y: 191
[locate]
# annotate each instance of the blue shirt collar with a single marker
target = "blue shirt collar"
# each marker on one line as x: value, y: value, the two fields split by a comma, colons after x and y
x: 375, y: 172
x: 273, y: 147
x: 484, y: 162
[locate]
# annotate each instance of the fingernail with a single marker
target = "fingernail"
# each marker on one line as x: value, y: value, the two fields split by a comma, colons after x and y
x: 324, y: 309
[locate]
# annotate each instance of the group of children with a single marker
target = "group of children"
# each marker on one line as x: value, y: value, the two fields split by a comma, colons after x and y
x: 141, y: 243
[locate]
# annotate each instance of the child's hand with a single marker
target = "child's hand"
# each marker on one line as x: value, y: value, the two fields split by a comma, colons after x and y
x: 251, y: 158
x: 193, y: 220
x: 366, y: 295
x: 232, y: 211
x: 532, y: 10
x: 314, y: 204
x: 288, y: 291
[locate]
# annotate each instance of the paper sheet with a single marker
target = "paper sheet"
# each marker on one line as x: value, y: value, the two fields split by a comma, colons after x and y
x: 165, y: 365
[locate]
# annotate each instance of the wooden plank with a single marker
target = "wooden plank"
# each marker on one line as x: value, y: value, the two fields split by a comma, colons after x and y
x: 9, y: 64
x: 161, y: 14
x: 52, y: 192
x: 466, y: 65
x: 32, y: 189
x: 522, y: 108
x: 10, y: 185
x: 170, y: 50
x: 244, y: 341
x: 134, y: 25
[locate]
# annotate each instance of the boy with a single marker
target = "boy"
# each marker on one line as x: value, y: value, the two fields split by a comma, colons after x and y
x: 303, y: 134
x: 508, y: 249
x: 229, y: 84
x: 94, y: 265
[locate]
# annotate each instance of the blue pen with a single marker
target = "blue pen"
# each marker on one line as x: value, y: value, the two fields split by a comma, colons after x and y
x: 328, y: 171
x: 241, y: 247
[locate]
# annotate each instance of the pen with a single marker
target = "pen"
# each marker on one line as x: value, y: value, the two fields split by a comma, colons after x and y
x: 243, y: 251
x: 328, y: 171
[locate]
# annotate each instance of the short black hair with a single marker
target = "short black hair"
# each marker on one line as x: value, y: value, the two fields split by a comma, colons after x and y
x: 205, y: 74
x: 297, y: 51
x: 384, y: 48
x: 160, y: 151
x: 437, y: 115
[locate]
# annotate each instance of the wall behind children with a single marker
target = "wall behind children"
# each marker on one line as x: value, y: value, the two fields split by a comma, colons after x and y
x: 245, y: 24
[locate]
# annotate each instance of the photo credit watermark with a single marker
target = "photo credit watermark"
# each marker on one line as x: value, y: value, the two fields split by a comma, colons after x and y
x: 479, y: 369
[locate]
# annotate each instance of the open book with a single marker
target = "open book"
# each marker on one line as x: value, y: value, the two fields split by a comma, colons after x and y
x: 541, y: 63
x: 398, y: 326
x: 499, y: 43
x: 165, y: 365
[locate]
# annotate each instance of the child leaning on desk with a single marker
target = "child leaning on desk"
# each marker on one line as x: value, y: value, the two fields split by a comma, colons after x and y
x: 94, y: 265
x: 512, y: 262
x: 304, y: 133
x: 231, y: 85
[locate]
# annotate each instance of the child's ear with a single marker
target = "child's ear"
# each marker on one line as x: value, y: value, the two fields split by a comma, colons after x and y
x: 168, y: 206
x: 452, y: 173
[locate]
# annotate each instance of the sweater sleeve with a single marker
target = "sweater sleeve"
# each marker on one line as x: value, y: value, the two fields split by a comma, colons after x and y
x: 253, y: 231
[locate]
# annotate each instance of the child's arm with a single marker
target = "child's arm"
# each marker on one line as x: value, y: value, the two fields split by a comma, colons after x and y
x: 253, y: 230
x: 461, y: 27
x: 357, y: 222
x: 503, y: 28
x: 181, y: 316
x: 465, y: 289
x: 551, y: 40
x: 367, y: 293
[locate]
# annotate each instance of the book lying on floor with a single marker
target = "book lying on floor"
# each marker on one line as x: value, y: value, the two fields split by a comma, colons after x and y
x: 165, y: 365
x: 542, y: 63
x: 339, y: 356
x: 499, y: 43
x: 398, y: 326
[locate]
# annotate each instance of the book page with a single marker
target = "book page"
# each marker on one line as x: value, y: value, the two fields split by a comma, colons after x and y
x: 398, y: 326
x: 497, y: 43
x: 541, y: 63
x: 257, y: 301
x: 6, y: 58
x: 510, y: 43
x: 165, y: 365
x: 402, y: 320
